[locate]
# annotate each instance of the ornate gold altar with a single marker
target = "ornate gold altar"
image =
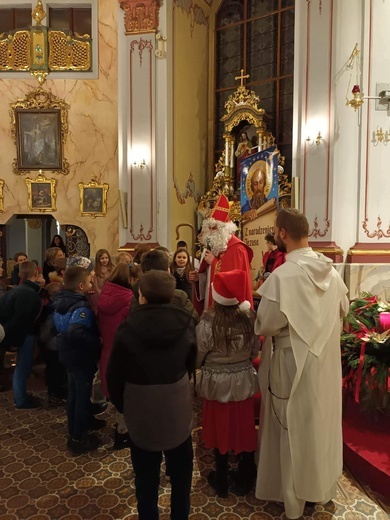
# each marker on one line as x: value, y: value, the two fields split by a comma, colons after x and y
x: 242, y: 114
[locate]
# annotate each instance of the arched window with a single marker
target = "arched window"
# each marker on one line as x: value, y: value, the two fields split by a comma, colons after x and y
x: 257, y: 36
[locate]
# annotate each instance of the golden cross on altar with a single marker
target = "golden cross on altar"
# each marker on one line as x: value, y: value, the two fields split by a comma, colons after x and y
x: 242, y: 77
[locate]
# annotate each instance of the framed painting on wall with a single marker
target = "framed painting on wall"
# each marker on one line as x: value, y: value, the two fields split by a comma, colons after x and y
x: 39, y: 129
x: 93, y: 199
x: 38, y: 134
x: 41, y: 194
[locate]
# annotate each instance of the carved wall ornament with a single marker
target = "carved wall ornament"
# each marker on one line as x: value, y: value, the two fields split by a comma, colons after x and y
x: 141, y: 236
x: 38, y: 13
x: 34, y: 223
x: 39, y: 127
x: 141, y: 45
x: 319, y: 5
x: 189, y: 192
x: 316, y: 232
x: 379, y: 232
x: 141, y: 16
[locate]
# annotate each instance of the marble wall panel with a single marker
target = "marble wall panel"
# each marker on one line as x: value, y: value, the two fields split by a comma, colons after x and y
x: 372, y: 278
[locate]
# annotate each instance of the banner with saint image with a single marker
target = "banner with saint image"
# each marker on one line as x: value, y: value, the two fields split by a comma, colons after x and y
x: 259, y: 204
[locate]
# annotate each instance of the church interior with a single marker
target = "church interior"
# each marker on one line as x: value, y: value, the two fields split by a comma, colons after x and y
x: 120, y: 124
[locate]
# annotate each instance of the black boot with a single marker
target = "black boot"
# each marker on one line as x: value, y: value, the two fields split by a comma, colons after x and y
x: 246, y: 474
x: 218, y: 479
x: 121, y: 440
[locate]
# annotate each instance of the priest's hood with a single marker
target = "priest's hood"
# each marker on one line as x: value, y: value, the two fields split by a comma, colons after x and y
x: 310, y: 293
x: 317, y: 266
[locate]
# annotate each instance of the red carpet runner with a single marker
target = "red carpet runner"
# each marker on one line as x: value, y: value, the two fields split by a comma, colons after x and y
x: 367, y: 447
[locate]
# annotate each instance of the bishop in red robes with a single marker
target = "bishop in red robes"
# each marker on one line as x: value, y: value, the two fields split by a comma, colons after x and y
x: 223, y: 252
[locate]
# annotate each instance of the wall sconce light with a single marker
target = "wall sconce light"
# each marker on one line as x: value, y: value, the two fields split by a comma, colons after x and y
x: 141, y: 164
x: 380, y: 137
x: 316, y: 141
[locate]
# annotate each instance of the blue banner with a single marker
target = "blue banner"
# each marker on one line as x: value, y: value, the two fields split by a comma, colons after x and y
x: 259, y: 181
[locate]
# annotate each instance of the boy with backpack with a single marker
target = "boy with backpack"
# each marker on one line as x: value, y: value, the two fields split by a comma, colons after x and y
x: 79, y: 351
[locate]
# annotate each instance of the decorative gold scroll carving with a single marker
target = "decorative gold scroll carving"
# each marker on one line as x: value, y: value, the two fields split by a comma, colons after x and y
x: 41, y: 50
x: 38, y: 13
x: 140, y: 16
x: 15, y: 51
x: 243, y: 98
x: 67, y: 52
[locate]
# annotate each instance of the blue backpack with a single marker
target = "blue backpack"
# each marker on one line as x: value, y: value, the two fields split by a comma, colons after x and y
x: 78, y: 314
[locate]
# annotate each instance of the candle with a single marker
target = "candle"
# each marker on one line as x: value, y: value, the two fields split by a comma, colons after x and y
x: 226, y: 153
x: 232, y: 156
x: 384, y: 320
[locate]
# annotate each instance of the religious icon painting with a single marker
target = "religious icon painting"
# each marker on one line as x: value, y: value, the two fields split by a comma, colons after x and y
x: 41, y: 194
x: 39, y: 126
x: 93, y: 199
x: 39, y: 139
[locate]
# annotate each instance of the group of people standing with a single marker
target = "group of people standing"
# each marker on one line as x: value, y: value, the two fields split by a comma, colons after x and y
x: 153, y: 343
x: 299, y: 445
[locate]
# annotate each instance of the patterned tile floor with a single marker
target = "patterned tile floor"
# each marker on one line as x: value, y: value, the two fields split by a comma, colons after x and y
x: 39, y: 480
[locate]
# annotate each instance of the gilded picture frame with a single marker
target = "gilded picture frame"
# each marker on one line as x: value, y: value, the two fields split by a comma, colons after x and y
x: 1, y: 196
x: 41, y: 194
x: 93, y: 199
x: 39, y: 127
x: 38, y: 140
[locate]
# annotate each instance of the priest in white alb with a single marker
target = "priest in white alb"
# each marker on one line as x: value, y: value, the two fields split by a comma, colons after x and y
x: 302, y: 302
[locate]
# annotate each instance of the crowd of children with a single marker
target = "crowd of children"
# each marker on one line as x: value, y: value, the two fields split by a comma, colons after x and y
x: 144, y: 336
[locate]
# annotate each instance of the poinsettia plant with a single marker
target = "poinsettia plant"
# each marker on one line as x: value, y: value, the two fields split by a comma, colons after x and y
x: 365, y: 353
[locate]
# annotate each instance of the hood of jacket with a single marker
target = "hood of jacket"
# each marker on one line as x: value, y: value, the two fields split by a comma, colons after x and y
x: 64, y: 300
x: 113, y: 298
x: 317, y: 266
x: 158, y: 324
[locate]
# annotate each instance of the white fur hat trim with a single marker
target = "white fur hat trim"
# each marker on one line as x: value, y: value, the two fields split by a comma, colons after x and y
x: 221, y: 299
x: 245, y: 306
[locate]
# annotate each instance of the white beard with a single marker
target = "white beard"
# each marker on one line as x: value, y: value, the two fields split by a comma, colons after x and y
x: 216, y: 240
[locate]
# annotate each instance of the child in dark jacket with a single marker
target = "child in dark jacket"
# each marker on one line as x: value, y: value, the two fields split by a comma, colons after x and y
x: 19, y: 312
x: 180, y: 269
x: 79, y: 350
x: 148, y: 381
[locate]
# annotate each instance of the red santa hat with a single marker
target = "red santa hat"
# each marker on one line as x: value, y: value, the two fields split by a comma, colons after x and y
x: 229, y: 288
x: 221, y: 209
